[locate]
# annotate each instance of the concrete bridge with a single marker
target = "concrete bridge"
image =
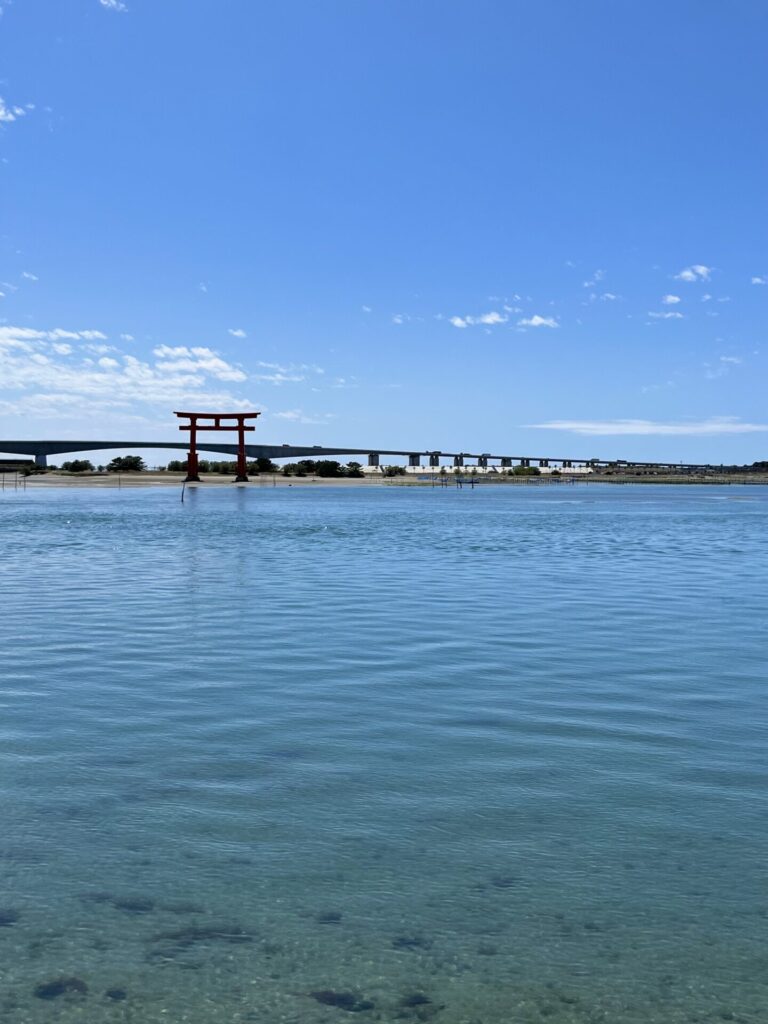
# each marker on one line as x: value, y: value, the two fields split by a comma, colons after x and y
x: 41, y: 450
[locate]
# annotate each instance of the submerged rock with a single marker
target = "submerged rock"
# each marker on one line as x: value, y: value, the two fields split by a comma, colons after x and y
x: 59, y: 987
x: 329, y: 917
x: 8, y: 916
x: 116, y: 994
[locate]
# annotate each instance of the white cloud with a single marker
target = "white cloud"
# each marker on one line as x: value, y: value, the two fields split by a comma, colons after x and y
x: 670, y: 300
x: 609, y: 297
x: 179, y: 358
x: 538, y: 321
x: 398, y: 318
x: 10, y: 114
x: 697, y: 272
x: 706, y: 297
x: 490, y: 319
x: 29, y: 277
x: 610, y: 428
x: 114, y: 5
x: 93, y: 335
x: 237, y: 332
x: 673, y: 315
x: 366, y: 309
x: 126, y: 337
x: 52, y: 380
x: 759, y: 280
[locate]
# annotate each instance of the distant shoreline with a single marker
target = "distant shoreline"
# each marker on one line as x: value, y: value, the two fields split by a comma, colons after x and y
x: 160, y: 479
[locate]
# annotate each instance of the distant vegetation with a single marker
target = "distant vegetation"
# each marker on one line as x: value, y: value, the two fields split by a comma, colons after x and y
x: 78, y: 466
x: 306, y: 467
x: 127, y: 464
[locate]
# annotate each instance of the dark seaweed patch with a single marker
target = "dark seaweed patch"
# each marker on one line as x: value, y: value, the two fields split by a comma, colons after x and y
x: 504, y: 881
x: 329, y: 917
x: 179, y: 939
x: 8, y: 916
x: 133, y: 904
x: 182, y: 907
x: 415, y: 999
x: 128, y: 904
x: 59, y: 987
x: 411, y: 942
x: 342, y: 1000
x: 116, y: 994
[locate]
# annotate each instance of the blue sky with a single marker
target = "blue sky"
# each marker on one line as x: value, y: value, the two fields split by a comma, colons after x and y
x: 525, y: 227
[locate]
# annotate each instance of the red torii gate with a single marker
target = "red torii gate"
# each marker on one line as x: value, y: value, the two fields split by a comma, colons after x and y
x: 216, y: 417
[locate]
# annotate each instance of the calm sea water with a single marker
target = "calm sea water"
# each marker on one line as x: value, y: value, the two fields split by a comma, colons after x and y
x: 386, y: 754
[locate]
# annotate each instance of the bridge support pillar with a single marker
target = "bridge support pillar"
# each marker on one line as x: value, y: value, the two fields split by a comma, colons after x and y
x: 414, y: 460
x: 567, y: 464
x: 506, y: 463
x: 525, y: 462
x: 434, y: 461
x: 543, y: 462
x: 373, y: 459
x: 458, y: 461
x: 41, y: 460
x: 482, y: 461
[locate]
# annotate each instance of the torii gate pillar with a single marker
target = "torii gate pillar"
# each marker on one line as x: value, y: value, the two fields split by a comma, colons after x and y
x: 215, y: 423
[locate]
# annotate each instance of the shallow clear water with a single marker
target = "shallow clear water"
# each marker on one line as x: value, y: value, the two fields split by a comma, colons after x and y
x: 502, y: 750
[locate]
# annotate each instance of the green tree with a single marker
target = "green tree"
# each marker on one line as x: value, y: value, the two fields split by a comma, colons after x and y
x: 264, y: 465
x: 328, y: 467
x: 354, y: 469
x: 78, y: 466
x: 127, y: 464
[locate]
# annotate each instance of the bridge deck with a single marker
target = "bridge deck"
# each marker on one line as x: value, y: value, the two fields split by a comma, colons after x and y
x: 43, y: 448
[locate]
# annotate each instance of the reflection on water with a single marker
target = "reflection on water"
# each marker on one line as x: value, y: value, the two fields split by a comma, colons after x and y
x: 291, y: 755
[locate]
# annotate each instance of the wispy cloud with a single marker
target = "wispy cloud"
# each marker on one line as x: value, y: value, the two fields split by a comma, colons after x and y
x: 538, y: 321
x: 299, y: 416
x: 114, y: 5
x: 670, y: 300
x: 609, y: 428
x: 697, y: 272
x: 237, y: 332
x: 366, y: 309
x: 29, y: 277
x: 669, y: 315
x: 126, y: 337
x: 721, y: 367
x: 759, y: 280
x: 597, y: 276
